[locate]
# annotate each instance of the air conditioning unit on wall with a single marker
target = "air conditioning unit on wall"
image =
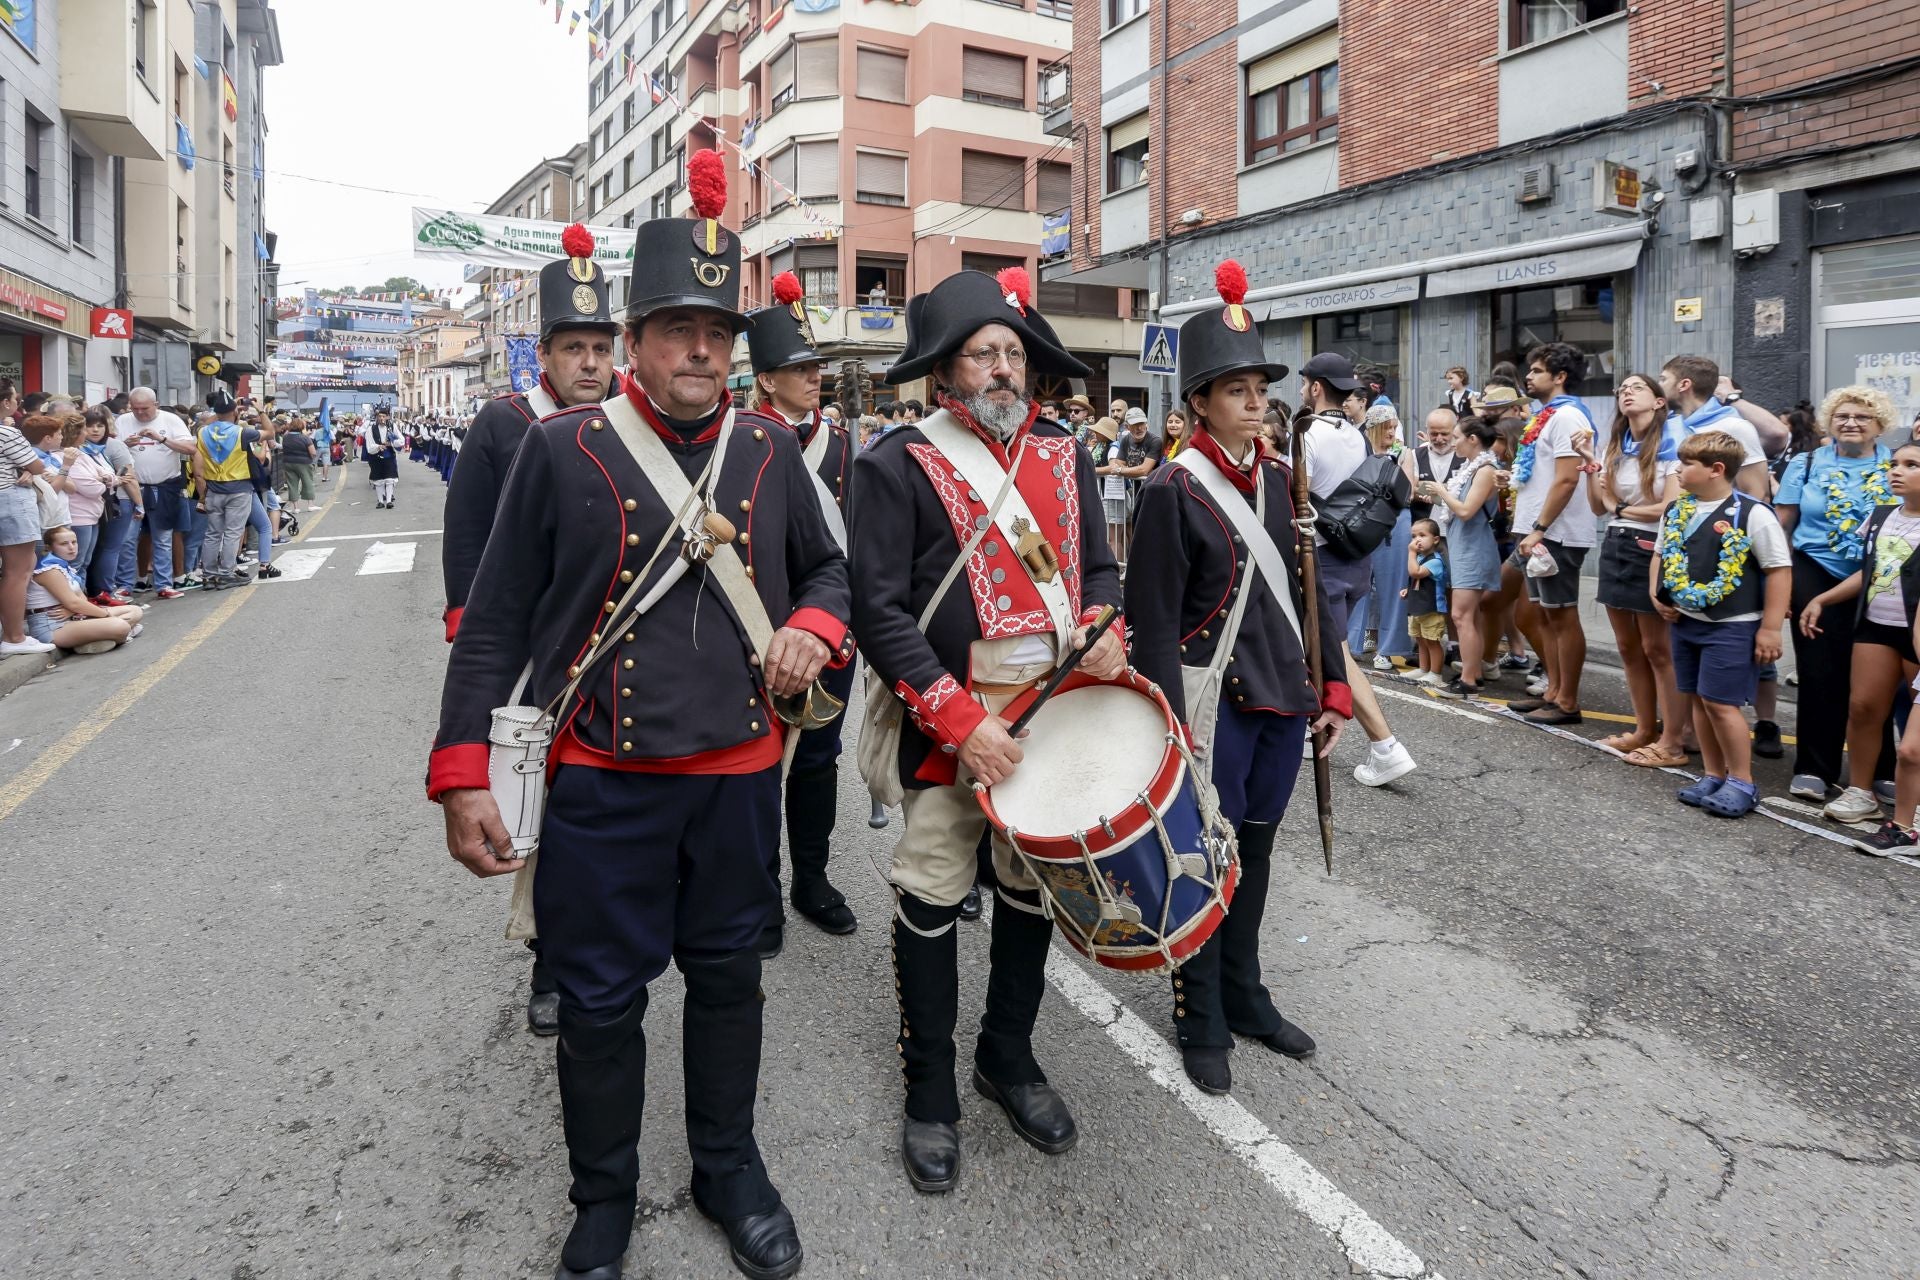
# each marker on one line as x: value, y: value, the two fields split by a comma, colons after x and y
x: 1536, y: 184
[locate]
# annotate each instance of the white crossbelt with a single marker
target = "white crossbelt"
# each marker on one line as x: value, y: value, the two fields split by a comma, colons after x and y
x: 1233, y: 505
x: 814, y: 453
x: 540, y: 402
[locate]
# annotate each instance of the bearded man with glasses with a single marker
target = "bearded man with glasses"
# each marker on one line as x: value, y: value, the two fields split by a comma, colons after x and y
x: 1037, y: 570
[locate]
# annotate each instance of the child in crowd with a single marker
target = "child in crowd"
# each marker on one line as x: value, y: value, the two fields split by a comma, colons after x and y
x: 1721, y: 576
x: 58, y: 611
x: 1426, y: 597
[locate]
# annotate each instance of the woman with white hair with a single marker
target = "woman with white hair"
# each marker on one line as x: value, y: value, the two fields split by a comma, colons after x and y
x: 1384, y: 612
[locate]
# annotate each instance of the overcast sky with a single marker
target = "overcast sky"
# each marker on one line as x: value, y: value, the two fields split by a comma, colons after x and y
x: 445, y: 100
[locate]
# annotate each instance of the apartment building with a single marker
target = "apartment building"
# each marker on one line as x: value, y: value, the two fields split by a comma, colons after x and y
x: 77, y: 97
x: 1825, y: 225
x: 434, y: 362
x: 554, y: 190
x: 915, y: 129
x: 348, y: 348
x: 1416, y: 186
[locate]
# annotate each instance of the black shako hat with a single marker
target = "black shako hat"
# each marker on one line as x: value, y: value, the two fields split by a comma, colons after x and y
x: 1223, y: 340
x: 781, y: 334
x: 690, y: 262
x: 940, y: 321
x: 573, y: 289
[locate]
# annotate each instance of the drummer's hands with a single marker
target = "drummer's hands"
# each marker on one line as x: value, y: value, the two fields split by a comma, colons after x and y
x: 793, y: 661
x: 1108, y: 657
x: 473, y: 823
x: 990, y: 753
x: 1333, y: 724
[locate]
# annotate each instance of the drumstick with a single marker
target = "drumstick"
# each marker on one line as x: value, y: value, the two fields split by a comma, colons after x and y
x: 1098, y: 628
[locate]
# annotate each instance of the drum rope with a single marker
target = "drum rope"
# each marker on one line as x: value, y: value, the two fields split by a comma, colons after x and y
x: 1174, y: 873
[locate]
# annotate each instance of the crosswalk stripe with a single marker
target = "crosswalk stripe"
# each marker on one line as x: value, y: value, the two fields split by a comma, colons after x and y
x: 300, y: 563
x: 388, y: 557
x: 363, y: 537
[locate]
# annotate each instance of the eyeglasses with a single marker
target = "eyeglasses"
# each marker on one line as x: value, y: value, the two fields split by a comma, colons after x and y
x: 1861, y: 418
x: 987, y: 357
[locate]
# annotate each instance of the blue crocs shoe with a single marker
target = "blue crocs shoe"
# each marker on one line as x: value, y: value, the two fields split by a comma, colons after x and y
x: 1731, y: 801
x: 1696, y: 793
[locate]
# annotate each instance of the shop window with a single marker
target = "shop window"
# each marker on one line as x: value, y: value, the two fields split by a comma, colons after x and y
x: 881, y: 74
x: 995, y: 79
x: 1580, y: 314
x: 1867, y: 324
x: 1127, y: 153
x: 1368, y: 338
x: 992, y: 180
x: 1531, y: 21
x: 1119, y: 11
x: 1293, y: 99
x: 880, y: 280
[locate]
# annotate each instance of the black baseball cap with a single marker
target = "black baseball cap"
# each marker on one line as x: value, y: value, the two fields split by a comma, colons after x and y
x: 1333, y: 369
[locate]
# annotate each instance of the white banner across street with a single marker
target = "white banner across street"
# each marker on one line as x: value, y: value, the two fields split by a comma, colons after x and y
x: 525, y: 244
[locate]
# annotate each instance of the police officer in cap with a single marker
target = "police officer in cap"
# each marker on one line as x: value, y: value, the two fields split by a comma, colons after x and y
x: 667, y: 573
x: 576, y: 368
x: 786, y: 372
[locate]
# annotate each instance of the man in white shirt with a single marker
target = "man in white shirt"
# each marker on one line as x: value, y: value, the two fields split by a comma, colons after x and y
x: 158, y: 440
x: 1551, y: 523
x: 1689, y: 384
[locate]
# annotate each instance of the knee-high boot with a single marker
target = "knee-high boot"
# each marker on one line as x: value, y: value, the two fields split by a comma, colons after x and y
x: 927, y: 980
x: 1016, y: 981
x: 603, y: 1076
x: 812, y: 799
x: 1244, y: 1000
x: 720, y: 1047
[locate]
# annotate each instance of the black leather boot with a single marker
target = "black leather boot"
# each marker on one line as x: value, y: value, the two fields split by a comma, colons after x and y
x: 543, y: 1004
x: 927, y: 980
x: 720, y: 1047
x: 1199, y: 1024
x: 1005, y: 1069
x: 603, y: 1077
x: 1244, y: 997
x: 811, y: 802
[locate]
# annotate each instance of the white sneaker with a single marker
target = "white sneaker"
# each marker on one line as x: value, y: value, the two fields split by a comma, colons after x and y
x: 1381, y: 662
x: 1433, y: 678
x: 1537, y: 686
x: 1853, y: 805
x: 1489, y: 671
x: 10, y: 648
x: 1378, y: 770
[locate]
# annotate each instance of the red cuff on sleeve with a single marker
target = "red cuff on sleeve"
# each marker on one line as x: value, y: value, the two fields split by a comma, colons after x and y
x: 831, y: 631
x: 458, y: 766
x: 943, y: 712
x: 1338, y: 698
x: 452, y: 618
x: 1091, y: 612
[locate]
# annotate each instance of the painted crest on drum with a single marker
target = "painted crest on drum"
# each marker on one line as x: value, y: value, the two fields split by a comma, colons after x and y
x: 1004, y: 597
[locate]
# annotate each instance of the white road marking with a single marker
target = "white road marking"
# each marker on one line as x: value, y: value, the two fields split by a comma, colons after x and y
x: 388, y: 557
x: 1432, y: 704
x: 300, y: 563
x: 1368, y: 1245
x: 363, y: 537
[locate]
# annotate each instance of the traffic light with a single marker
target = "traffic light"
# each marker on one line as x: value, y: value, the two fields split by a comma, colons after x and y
x: 866, y: 384
x: 853, y: 386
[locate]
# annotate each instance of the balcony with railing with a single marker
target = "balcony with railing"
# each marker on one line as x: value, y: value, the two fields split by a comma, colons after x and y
x: 1056, y: 98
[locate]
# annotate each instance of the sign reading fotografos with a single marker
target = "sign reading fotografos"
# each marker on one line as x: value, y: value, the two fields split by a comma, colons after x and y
x: 1359, y: 297
x: 519, y: 243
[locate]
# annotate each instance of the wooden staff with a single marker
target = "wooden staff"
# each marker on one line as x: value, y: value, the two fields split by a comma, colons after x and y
x: 1310, y: 613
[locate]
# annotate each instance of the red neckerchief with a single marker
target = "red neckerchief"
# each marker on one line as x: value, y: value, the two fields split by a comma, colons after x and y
x: 1203, y: 443
x: 1003, y: 452
x: 644, y: 403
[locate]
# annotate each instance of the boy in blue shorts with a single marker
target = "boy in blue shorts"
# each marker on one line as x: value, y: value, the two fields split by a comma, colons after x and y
x: 1721, y: 576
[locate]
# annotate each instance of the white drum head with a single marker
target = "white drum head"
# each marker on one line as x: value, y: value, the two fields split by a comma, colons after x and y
x: 1090, y: 752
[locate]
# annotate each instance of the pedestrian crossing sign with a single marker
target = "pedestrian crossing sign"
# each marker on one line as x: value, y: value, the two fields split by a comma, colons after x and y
x: 1159, y: 349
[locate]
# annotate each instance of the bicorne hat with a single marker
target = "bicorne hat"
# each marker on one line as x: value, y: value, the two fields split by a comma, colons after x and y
x: 781, y: 334
x: 573, y: 289
x: 1223, y: 340
x: 690, y: 262
x: 940, y: 321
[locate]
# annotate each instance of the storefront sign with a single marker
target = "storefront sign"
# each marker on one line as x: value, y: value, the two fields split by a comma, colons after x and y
x: 111, y: 322
x: 523, y: 243
x: 1537, y: 273
x: 1616, y: 188
x: 34, y: 304
x: 1359, y: 297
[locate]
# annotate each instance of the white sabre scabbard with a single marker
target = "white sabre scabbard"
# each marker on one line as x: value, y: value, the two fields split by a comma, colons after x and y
x: 517, y: 772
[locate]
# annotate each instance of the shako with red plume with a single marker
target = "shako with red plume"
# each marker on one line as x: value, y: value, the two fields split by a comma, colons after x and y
x: 782, y: 334
x: 707, y: 185
x: 577, y: 242
x: 665, y: 275
x: 1230, y: 280
x: 573, y: 289
x: 1016, y: 287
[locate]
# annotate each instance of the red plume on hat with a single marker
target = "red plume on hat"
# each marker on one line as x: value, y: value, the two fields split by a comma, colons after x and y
x: 707, y: 183
x: 1016, y: 286
x: 1230, y: 278
x: 786, y: 288
x: 576, y: 242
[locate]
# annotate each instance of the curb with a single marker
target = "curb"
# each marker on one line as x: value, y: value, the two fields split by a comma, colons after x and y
x: 17, y: 670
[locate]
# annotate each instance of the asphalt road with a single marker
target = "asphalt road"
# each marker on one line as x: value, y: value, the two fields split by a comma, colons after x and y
x: 257, y: 1024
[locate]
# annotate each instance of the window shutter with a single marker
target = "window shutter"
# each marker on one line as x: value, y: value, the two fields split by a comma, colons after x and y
x: 1294, y: 61
x: 1055, y: 187
x: 780, y: 74
x: 881, y: 175
x: 997, y: 75
x: 814, y: 257
x: 1127, y: 132
x: 781, y: 168
x: 881, y: 74
x: 817, y: 68
x: 996, y: 181
x: 779, y: 260
x: 818, y: 170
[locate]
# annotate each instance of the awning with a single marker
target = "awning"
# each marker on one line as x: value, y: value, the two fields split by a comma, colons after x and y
x: 1588, y: 253
x: 1127, y: 273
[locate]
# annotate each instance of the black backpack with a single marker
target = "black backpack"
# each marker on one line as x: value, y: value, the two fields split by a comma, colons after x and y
x: 1359, y: 515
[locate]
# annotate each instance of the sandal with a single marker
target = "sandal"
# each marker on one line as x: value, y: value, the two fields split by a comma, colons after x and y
x: 1652, y: 757
x: 1552, y: 713
x: 1628, y: 742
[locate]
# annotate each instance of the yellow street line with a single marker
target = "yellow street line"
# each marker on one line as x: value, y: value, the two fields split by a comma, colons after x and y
x: 36, y: 775
x: 1610, y: 717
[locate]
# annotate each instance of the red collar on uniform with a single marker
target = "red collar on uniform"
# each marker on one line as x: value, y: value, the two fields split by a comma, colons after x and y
x: 547, y: 387
x: 1207, y: 447
x: 1002, y: 452
x: 651, y: 416
x: 805, y: 428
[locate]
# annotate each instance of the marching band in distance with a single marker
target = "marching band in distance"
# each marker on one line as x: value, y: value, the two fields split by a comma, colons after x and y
x: 658, y: 599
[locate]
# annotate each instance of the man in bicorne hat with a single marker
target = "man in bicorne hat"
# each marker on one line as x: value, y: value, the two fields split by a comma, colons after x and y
x: 666, y: 573
x: 921, y: 493
x: 786, y: 374
x: 576, y: 367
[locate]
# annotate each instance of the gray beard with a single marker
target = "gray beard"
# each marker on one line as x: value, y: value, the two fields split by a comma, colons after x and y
x: 1001, y: 420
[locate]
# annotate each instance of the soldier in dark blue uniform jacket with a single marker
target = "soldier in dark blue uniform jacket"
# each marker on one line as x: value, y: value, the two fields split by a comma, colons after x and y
x: 1189, y: 565
x: 663, y: 816
x: 786, y: 371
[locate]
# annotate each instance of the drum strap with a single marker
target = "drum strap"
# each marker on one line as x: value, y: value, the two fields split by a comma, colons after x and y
x: 1251, y: 524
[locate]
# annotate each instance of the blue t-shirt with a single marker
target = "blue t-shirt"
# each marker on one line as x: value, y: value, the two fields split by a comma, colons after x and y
x: 1436, y: 569
x: 1806, y: 485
